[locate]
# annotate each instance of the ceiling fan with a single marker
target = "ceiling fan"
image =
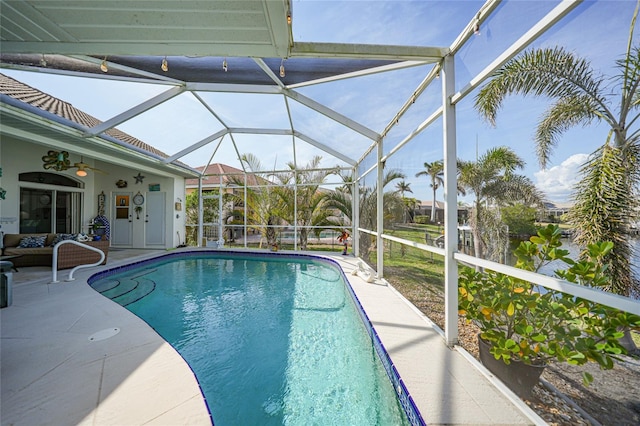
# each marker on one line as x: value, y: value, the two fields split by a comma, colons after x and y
x: 83, y: 167
x: 59, y: 161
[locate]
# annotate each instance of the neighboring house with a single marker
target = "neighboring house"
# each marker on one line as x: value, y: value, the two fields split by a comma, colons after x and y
x: 212, y: 174
x: 424, y: 209
x: 232, y: 179
x: 555, y: 211
x: 37, y: 129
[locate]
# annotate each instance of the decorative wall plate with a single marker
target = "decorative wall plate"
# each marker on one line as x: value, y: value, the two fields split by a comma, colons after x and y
x: 45, y: 199
x: 138, y: 199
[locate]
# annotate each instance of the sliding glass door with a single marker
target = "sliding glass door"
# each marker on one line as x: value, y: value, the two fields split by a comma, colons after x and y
x: 49, y: 211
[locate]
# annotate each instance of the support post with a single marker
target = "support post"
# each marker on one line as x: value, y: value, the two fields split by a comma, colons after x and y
x: 245, y: 211
x: 450, y: 202
x: 200, y: 214
x: 295, y: 210
x: 355, y: 213
x: 220, y: 227
x: 380, y: 212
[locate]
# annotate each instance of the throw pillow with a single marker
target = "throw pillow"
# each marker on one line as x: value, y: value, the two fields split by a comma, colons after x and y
x: 34, y: 241
x: 63, y: 237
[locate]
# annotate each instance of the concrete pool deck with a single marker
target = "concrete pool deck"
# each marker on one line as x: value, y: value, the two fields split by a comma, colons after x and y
x: 70, y: 356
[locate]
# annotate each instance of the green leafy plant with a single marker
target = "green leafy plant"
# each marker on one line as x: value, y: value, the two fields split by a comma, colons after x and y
x: 524, y: 322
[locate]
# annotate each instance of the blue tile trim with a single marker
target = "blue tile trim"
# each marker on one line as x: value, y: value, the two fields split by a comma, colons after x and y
x: 406, y: 401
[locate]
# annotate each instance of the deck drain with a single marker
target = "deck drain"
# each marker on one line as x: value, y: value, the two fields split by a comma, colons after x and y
x: 104, y: 334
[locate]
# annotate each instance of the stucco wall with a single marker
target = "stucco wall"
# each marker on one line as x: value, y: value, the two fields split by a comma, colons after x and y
x: 18, y: 157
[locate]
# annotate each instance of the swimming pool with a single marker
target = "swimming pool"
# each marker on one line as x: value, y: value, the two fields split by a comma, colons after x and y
x: 272, y: 339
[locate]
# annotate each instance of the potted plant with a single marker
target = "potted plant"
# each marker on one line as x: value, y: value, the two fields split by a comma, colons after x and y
x: 94, y: 231
x: 524, y: 324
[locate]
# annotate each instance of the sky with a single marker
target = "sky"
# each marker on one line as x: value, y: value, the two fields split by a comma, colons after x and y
x: 596, y: 30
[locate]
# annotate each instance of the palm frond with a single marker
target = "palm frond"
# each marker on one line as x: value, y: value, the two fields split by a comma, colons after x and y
x: 629, y: 76
x: 564, y: 114
x: 603, y: 208
x: 498, y: 160
x: 555, y: 73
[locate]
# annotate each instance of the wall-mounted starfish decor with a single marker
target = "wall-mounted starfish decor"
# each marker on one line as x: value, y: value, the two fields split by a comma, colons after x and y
x: 139, y: 178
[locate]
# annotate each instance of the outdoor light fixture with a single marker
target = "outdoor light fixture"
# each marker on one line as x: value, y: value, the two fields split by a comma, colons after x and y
x: 103, y: 65
x: 43, y: 62
x: 165, y: 65
x: 289, y: 18
x: 282, y: 74
x: 81, y: 172
x: 224, y: 65
x: 476, y: 25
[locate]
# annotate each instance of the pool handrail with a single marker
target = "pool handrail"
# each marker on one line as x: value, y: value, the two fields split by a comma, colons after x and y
x: 54, y: 265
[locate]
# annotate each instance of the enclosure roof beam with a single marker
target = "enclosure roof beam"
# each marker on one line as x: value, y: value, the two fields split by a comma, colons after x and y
x: 360, y: 73
x: 197, y: 145
x: 234, y: 88
x: 544, y: 24
x: 135, y: 111
x: 325, y: 148
x: 260, y: 131
x: 367, y: 51
x: 328, y: 112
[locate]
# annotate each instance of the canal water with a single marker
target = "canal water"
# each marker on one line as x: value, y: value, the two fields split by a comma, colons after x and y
x: 574, y: 252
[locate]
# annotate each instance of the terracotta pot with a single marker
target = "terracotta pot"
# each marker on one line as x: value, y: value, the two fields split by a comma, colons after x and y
x: 518, y: 376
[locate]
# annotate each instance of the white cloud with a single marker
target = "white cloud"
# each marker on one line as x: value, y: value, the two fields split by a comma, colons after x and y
x: 558, y: 182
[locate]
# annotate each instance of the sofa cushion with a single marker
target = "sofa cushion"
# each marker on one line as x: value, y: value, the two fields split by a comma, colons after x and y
x: 39, y: 251
x: 32, y: 241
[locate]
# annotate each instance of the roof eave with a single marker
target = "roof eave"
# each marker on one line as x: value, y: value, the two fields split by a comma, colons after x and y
x: 74, y: 132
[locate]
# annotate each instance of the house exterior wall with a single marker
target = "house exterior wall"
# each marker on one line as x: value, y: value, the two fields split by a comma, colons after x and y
x: 17, y: 156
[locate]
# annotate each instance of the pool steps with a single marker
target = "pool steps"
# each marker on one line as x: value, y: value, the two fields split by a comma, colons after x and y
x: 126, y: 292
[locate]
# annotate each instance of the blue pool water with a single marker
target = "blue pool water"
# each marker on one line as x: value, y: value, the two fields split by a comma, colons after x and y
x: 272, y: 340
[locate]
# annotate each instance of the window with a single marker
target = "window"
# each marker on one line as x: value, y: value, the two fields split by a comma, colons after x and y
x: 44, y: 208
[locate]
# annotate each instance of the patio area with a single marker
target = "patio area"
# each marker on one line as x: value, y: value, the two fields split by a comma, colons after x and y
x: 97, y: 363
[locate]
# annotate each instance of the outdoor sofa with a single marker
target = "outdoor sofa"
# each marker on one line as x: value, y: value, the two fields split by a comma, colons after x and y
x: 69, y: 255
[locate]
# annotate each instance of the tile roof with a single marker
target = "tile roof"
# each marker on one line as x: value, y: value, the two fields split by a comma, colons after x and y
x: 429, y: 203
x: 213, y: 172
x: 34, y: 97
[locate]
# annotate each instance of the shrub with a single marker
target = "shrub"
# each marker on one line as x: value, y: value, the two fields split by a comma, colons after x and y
x: 524, y: 322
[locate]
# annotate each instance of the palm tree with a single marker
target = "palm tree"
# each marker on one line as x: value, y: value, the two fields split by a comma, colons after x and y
x: 342, y: 200
x: 493, y: 180
x: 435, y: 171
x: 263, y: 206
x: 209, y: 213
x: 606, y: 199
x: 308, y: 199
x: 403, y: 187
